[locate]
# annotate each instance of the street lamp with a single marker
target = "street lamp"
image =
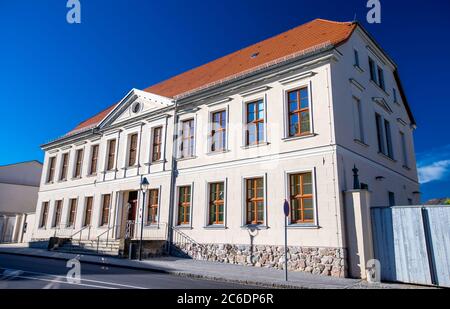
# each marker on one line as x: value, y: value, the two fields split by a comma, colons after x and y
x: 144, y: 187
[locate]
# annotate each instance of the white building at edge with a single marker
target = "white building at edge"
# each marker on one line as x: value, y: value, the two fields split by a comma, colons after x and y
x: 225, y: 144
x: 19, y: 186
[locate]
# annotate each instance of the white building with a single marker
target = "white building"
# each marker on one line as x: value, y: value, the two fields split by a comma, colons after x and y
x: 225, y: 144
x: 19, y: 186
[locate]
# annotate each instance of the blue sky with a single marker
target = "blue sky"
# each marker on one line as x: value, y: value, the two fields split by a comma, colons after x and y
x: 53, y: 75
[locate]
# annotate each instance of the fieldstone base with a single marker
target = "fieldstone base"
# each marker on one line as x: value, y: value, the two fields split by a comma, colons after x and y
x: 318, y: 261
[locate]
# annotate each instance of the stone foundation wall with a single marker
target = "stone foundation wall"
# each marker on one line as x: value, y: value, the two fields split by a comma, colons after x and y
x: 318, y: 261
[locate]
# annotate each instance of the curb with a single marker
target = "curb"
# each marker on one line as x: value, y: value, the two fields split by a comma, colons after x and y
x: 164, y: 271
x: 151, y: 269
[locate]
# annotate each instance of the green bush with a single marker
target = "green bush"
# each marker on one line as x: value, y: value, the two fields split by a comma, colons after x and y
x: 447, y: 202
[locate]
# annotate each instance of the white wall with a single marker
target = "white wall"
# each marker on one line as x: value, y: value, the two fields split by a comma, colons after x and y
x: 17, y: 198
x: 401, y: 180
x: 27, y: 173
x: 330, y: 153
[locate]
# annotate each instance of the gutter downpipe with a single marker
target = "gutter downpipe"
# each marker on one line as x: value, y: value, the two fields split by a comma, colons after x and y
x: 173, y: 178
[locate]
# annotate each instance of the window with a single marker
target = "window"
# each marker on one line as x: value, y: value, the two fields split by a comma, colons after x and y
x: 187, y: 139
x: 64, y: 167
x: 384, y: 136
x: 153, y: 203
x: 376, y: 74
x: 387, y: 129
x: 373, y: 70
x: 157, y: 142
x: 136, y: 107
x: 184, y: 205
x: 106, y: 200
x: 132, y: 152
x: 301, y: 197
x: 94, y: 160
x: 51, y: 169
x: 357, y: 118
x: 216, y: 203
x: 88, y: 211
x: 394, y: 92
x: 380, y: 135
x: 219, y: 131
x: 255, y: 201
x: 44, y: 215
x: 72, y: 213
x: 391, y: 199
x: 78, y: 163
x: 356, y: 55
x: 255, y: 123
x: 404, y: 149
x: 298, y: 104
x: 111, y: 155
x: 58, y: 213
x: 381, y: 79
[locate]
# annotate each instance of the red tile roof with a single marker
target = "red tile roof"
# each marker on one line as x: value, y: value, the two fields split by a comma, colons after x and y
x: 308, y: 36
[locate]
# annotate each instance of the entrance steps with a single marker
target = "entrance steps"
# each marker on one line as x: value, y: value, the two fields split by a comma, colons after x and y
x: 90, y: 247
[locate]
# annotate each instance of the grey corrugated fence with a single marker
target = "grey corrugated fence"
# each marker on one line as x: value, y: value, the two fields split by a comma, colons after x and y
x: 413, y: 244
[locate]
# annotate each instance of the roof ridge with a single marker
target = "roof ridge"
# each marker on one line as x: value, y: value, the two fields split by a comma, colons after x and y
x: 234, y: 52
x: 335, y: 22
x: 20, y: 163
x: 304, y: 37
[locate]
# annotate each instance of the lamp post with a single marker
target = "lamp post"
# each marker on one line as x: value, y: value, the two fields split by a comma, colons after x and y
x: 144, y: 187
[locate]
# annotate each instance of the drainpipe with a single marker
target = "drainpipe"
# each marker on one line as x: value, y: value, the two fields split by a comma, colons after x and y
x: 173, y: 178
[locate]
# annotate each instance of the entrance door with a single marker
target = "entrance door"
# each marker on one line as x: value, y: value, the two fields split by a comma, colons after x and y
x: 131, y: 216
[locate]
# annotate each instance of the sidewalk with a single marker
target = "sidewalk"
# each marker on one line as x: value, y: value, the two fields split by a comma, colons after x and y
x: 213, y: 271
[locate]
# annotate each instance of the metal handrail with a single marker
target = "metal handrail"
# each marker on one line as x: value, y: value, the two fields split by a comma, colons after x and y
x: 177, y: 233
x: 81, y: 232
x: 107, y: 236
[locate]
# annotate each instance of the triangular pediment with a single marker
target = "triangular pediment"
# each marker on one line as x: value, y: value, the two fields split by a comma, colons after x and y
x: 135, y: 104
x: 383, y: 104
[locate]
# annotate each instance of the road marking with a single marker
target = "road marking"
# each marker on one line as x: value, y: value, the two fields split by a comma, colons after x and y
x: 106, y: 285
x: 10, y: 273
x: 57, y: 281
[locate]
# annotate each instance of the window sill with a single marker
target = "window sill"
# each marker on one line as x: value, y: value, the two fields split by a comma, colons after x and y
x: 406, y: 167
x: 153, y: 226
x: 76, y: 178
x: 387, y: 157
x: 358, y: 68
x: 262, y: 144
x: 293, y: 138
x: 379, y: 88
x: 214, y: 153
x: 130, y: 167
x: 303, y: 227
x: 255, y: 227
x: 110, y: 171
x: 186, y: 159
x: 155, y: 162
x: 215, y: 227
x: 183, y: 227
x: 62, y: 181
x: 359, y: 142
x: 92, y: 175
x: 50, y: 183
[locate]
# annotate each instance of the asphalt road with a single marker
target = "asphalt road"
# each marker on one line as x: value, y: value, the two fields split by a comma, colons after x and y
x: 22, y: 272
